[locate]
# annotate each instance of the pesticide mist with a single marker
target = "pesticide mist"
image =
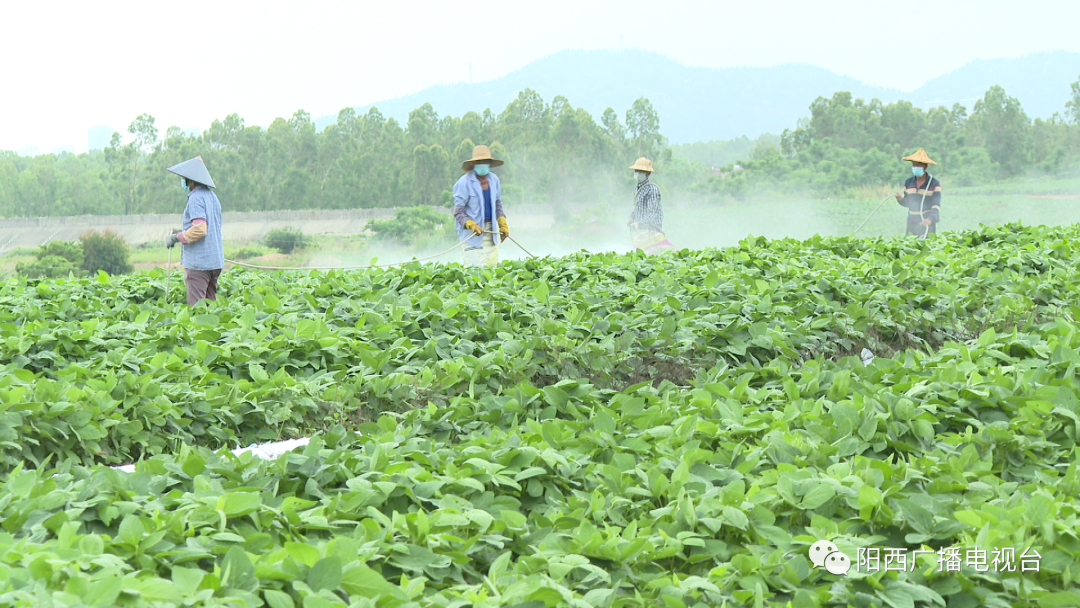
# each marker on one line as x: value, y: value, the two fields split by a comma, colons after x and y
x: 566, y: 228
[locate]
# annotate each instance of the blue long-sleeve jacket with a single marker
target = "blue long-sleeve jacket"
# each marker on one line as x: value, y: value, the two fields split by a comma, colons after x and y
x: 469, y: 205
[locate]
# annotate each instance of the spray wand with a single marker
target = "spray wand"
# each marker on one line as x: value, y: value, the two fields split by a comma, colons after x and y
x: 168, y: 276
x: 870, y: 216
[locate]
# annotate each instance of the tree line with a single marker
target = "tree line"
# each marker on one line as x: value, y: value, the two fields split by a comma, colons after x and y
x: 553, y: 153
x: 847, y: 143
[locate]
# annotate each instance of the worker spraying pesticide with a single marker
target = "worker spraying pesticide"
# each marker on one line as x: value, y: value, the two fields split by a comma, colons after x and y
x: 202, y: 254
x: 477, y: 206
x: 647, y: 220
x: 921, y: 196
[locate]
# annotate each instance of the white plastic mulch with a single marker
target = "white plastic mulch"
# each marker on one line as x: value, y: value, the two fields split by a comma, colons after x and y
x: 265, y: 451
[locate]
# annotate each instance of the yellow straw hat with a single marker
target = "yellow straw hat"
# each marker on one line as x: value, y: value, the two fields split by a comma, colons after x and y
x: 643, y: 164
x: 920, y: 157
x: 480, y: 153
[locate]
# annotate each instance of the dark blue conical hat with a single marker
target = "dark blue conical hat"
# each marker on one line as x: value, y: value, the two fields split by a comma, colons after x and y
x: 195, y: 170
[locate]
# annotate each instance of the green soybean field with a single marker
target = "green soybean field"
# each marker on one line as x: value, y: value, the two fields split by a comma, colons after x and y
x: 595, y: 430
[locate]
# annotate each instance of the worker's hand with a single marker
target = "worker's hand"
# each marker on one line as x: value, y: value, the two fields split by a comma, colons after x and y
x: 504, y: 230
x: 899, y: 197
x: 471, y: 225
x: 926, y: 222
x: 171, y: 240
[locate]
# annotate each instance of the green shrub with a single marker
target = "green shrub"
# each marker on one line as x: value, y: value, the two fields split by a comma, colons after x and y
x: 412, y: 224
x: 69, y: 250
x: 50, y: 266
x: 105, y: 250
x: 52, y: 260
x: 286, y: 240
x: 245, y: 253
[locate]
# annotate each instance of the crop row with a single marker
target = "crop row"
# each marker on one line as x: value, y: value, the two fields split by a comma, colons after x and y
x: 102, y: 370
x: 572, y: 495
x: 596, y: 431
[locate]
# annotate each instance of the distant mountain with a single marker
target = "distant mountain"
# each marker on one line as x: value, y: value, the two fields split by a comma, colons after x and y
x: 704, y: 104
x: 1040, y: 81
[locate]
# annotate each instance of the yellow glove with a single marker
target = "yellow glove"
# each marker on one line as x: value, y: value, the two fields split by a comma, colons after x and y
x: 504, y: 230
x: 471, y: 225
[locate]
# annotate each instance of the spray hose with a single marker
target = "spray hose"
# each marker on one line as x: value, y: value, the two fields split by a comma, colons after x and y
x: 459, y: 245
x: 922, y: 212
x: 871, y: 215
x: 168, y: 275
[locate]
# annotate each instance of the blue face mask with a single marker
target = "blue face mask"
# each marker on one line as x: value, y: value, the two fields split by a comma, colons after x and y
x: 918, y: 171
x: 183, y: 184
x: 482, y: 170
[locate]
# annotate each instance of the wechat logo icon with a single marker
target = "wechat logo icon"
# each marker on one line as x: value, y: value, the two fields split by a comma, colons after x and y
x: 824, y: 554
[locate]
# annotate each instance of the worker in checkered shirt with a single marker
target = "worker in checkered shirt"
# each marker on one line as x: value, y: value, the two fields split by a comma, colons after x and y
x: 647, y: 221
x: 203, y: 253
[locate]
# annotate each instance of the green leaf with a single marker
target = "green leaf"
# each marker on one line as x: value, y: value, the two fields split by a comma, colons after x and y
x: 817, y: 496
x: 541, y: 292
x: 207, y: 320
x: 325, y: 574
x: 869, y: 497
x: 550, y: 597
x: 968, y: 517
x: 736, y: 518
x: 604, y: 423
x: 529, y: 473
x: 512, y: 519
x: 236, y: 504
x: 158, y: 590
x: 897, y: 598
x: 359, y: 580
x: 131, y: 530
x: 316, y: 601
x: 918, y: 517
x: 193, y: 465
x: 278, y: 599
x: 868, y: 428
x: 258, y: 374
x: 305, y: 554
x: 681, y: 475
x: 187, y: 580
x: 237, y: 571
x: 419, y: 559
x: 1060, y: 599
x: 499, y: 566
x: 483, y: 519
x: 104, y: 592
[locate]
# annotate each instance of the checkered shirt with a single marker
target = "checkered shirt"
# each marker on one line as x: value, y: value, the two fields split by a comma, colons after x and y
x: 648, y: 212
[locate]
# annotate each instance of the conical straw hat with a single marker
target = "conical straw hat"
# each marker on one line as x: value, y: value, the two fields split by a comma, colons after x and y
x: 643, y: 164
x: 193, y: 169
x: 480, y: 153
x: 920, y: 157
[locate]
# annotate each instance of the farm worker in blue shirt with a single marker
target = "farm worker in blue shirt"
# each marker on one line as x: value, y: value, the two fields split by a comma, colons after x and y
x: 477, y: 206
x: 202, y: 254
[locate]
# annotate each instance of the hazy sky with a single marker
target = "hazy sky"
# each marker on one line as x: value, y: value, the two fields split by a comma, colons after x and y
x: 70, y: 65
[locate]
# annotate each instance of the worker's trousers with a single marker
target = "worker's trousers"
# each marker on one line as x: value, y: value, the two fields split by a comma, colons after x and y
x: 918, y: 229
x: 488, y: 255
